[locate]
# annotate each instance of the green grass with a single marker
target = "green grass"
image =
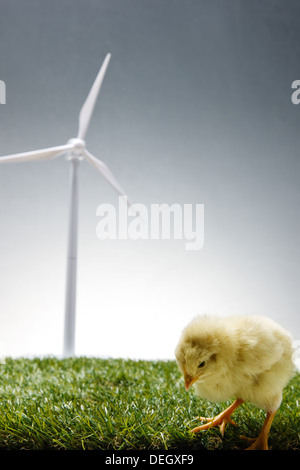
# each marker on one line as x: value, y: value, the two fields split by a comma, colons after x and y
x: 87, y: 403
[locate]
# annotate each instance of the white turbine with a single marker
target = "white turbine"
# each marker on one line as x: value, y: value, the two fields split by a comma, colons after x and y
x: 76, y: 149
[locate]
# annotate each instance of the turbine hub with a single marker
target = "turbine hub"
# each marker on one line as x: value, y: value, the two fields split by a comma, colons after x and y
x: 79, y: 146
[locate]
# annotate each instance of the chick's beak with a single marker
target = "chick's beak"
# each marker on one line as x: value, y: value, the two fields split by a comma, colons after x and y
x: 188, y: 381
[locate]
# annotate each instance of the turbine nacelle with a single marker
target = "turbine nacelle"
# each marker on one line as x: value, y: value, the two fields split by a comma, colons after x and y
x: 77, y: 149
x: 78, y: 144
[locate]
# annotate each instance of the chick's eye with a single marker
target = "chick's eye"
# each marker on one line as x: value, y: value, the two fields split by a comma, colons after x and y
x: 202, y: 364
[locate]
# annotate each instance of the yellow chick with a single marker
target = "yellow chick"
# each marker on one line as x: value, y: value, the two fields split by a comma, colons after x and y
x: 248, y: 358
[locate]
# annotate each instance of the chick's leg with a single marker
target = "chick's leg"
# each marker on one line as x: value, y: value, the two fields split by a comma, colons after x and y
x: 221, y: 419
x: 261, y: 443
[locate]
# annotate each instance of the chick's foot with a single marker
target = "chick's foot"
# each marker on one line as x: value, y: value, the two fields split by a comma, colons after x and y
x: 216, y: 421
x: 220, y: 420
x: 261, y: 443
x: 258, y: 443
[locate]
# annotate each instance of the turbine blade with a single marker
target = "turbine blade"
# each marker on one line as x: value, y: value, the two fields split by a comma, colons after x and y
x: 105, y: 172
x: 37, y: 155
x: 89, y: 104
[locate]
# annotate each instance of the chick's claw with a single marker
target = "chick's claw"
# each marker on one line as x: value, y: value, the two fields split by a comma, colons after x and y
x: 261, y: 443
x: 256, y: 443
x: 219, y: 420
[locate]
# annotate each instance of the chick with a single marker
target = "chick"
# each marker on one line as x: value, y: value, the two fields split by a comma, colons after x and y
x: 248, y: 358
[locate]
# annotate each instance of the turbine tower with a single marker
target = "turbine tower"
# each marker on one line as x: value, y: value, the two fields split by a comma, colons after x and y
x: 76, y: 150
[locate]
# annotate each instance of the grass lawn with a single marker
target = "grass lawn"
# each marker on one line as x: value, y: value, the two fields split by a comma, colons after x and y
x: 87, y: 403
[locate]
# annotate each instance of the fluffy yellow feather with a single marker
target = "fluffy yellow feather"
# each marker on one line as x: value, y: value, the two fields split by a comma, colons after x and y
x: 248, y: 358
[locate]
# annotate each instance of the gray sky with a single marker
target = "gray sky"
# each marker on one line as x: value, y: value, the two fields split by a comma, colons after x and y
x: 195, y: 109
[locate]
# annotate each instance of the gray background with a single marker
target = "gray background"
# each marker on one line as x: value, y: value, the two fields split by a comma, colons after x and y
x: 195, y: 108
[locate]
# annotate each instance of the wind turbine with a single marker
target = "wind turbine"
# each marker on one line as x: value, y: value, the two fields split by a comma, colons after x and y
x: 76, y: 150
